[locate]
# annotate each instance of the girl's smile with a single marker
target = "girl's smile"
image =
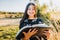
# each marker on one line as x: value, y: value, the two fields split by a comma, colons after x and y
x: 31, y: 10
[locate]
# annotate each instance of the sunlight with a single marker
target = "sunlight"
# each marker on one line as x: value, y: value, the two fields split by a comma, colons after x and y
x: 52, y: 4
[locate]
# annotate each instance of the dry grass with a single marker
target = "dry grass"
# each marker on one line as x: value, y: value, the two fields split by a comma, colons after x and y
x: 9, y: 33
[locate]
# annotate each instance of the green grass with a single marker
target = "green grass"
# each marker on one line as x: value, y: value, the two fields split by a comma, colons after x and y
x: 8, y: 32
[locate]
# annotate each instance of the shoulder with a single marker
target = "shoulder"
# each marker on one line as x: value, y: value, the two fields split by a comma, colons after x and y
x: 26, y: 20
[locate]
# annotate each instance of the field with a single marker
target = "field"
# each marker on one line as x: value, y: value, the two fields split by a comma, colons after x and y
x: 8, y: 32
x: 9, y: 21
x: 9, y: 24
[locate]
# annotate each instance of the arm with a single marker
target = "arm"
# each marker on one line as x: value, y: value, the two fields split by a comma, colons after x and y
x: 29, y: 34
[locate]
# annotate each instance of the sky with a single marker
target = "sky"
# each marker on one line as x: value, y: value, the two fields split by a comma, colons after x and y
x: 20, y: 5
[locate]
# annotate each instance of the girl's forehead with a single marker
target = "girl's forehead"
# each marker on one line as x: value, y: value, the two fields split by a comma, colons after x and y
x: 32, y: 6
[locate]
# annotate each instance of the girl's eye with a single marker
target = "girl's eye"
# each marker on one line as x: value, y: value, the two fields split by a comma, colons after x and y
x: 29, y: 8
x: 33, y: 9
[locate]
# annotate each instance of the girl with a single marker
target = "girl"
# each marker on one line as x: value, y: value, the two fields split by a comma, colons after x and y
x: 30, y: 18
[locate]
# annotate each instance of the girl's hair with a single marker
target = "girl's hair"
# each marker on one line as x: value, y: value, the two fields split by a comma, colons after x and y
x: 25, y: 16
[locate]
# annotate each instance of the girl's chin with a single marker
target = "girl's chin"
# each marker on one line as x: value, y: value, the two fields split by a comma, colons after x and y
x: 31, y: 15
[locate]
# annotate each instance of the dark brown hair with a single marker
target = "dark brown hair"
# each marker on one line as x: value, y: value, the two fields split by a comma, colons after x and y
x: 25, y: 16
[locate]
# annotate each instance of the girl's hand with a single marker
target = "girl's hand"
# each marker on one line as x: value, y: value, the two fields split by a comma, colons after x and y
x: 47, y: 34
x: 29, y: 34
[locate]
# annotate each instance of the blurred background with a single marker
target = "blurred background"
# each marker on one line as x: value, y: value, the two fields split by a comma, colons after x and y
x: 11, y: 12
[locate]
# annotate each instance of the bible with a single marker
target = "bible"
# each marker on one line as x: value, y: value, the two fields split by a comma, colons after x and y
x: 40, y: 27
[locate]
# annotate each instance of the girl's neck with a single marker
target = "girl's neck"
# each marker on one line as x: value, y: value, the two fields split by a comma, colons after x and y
x: 31, y: 17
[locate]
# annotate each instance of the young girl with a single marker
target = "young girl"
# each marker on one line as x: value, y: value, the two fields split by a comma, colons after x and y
x: 30, y: 18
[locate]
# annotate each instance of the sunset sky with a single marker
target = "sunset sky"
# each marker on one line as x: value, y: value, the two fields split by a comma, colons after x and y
x: 19, y: 5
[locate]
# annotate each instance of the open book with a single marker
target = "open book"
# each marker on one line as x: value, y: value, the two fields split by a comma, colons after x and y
x: 40, y: 27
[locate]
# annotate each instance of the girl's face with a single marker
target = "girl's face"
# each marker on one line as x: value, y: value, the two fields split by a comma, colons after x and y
x: 31, y: 10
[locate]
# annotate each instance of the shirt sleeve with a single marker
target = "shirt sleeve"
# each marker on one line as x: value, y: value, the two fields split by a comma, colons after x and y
x: 21, y: 25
